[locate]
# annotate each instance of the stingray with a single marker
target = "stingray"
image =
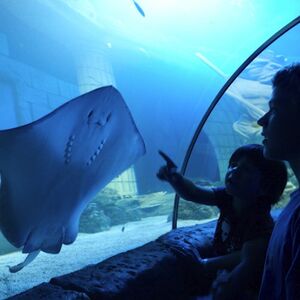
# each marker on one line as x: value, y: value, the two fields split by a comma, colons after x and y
x: 51, y: 168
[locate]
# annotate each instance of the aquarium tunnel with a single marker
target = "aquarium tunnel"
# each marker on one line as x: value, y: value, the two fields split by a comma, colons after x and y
x: 195, y: 77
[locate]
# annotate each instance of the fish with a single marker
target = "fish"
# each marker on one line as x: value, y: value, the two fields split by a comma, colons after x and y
x: 51, y: 168
x: 139, y: 9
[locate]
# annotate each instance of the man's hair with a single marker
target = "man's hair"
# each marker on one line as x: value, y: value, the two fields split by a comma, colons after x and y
x: 273, y: 173
x: 288, y: 78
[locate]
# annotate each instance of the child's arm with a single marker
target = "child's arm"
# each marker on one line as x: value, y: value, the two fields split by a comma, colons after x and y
x: 228, y: 262
x: 189, y: 191
x: 183, y: 186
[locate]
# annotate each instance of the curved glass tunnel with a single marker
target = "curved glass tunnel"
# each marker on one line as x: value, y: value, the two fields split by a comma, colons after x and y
x: 233, y: 122
x: 168, y: 62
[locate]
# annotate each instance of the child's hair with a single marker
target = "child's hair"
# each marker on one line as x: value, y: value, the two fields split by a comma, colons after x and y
x: 274, y: 173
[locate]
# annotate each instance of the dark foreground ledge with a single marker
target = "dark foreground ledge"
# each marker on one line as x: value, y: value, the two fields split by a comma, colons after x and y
x: 152, y: 271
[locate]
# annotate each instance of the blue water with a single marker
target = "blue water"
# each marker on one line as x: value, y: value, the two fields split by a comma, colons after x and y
x: 168, y: 65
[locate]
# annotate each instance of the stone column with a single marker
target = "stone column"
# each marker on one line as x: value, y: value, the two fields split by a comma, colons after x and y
x: 94, y: 70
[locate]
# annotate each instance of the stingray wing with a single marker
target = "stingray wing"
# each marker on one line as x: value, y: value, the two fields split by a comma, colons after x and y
x: 52, y: 167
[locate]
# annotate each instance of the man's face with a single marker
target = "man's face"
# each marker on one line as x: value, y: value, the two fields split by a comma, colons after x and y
x: 281, y: 127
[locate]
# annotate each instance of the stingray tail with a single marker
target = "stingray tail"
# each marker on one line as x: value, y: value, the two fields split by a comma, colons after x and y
x: 30, y: 257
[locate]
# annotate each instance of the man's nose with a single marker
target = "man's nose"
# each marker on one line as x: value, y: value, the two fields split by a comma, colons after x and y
x: 263, y: 120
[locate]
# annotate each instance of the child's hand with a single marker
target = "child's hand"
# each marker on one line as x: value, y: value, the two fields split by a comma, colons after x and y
x: 169, y: 171
x: 165, y: 174
x: 187, y: 253
x: 191, y: 258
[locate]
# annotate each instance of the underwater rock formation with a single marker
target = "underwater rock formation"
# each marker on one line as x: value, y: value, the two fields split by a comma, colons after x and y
x: 108, y: 208
x: 94, y: 220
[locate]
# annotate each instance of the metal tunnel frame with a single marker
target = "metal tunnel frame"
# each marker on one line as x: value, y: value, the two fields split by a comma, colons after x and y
x: 266, y: 44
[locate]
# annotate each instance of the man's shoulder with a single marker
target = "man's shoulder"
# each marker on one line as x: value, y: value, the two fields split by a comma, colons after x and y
x: 292, y: 209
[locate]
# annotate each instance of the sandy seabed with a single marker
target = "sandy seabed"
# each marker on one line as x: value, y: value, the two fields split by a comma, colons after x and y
x: 87, y: 249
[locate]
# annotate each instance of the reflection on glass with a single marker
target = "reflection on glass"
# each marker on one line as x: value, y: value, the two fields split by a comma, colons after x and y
x: 233, y: 123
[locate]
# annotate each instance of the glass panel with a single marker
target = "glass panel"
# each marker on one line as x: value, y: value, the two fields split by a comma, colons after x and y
x: 232, y: 124
x: 168, y: 62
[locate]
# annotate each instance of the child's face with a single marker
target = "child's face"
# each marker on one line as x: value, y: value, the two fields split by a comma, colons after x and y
x: 242, y: 179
